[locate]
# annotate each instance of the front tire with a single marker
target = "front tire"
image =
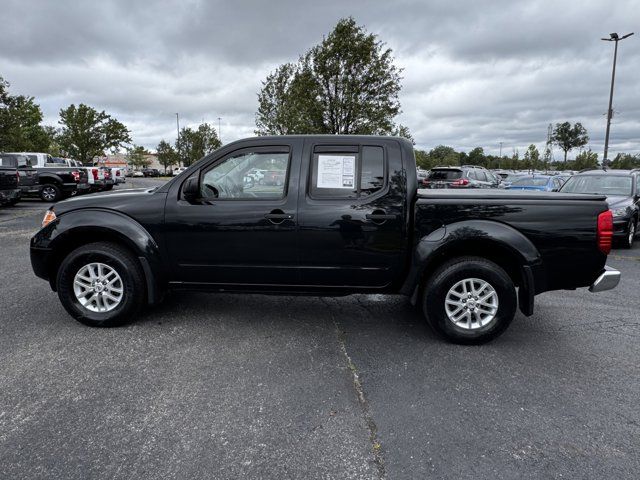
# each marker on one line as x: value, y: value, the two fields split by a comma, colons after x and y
x: 469, y: 300
x: 631, y: 234
x: 101, y: 285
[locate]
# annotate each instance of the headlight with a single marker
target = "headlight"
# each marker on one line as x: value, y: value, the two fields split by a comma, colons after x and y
x: 619, y: 212
x: 49, y: 217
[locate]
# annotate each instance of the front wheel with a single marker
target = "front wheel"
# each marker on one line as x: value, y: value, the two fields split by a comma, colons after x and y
x: 631, y: 234
x: 469, y: 300
x: 101, y: 285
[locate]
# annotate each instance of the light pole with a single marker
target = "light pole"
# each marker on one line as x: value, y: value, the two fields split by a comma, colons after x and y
x: 219, y: 132
x: 614, y: 38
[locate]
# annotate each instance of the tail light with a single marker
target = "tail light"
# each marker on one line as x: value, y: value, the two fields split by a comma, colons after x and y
x: 76, y: 175
x: 460, y: 182
x: 94, y: 172
x: 605, y: 231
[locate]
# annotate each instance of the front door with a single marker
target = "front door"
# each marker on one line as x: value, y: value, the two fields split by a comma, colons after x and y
x: 242, y: 229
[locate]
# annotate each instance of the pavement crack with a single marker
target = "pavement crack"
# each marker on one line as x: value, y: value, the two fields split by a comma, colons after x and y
x: 376, y: 447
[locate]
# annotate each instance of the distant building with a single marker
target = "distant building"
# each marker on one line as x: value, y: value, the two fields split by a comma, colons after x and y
x: 121, y: 160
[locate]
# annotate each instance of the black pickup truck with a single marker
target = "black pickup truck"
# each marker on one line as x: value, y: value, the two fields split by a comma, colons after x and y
x: 347, y: 218
x: 28, y: 180
x: 9, y: 190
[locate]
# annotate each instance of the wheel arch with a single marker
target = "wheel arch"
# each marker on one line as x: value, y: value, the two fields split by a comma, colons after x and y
x: 80, y: 227
x: 494, y: 241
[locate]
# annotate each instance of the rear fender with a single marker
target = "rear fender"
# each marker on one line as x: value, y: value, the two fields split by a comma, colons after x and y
x: 475, y: 237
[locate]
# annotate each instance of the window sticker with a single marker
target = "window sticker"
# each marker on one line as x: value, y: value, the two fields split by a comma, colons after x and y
x: 336, y: 171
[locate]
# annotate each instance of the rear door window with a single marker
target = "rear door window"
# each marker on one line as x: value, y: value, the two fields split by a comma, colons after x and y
x: 349, y: 172
x: 445, y: 174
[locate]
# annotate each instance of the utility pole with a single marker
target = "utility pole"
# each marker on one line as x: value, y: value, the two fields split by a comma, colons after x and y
x: 614, y: 38
x: 219, y: 132
x: 178, y: 139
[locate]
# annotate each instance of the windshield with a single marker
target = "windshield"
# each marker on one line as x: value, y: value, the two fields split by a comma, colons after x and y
x: 599, y: 184
x: 445, y: 174
x: 530, y: 181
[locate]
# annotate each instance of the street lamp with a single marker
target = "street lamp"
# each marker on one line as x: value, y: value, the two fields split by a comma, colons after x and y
x: 178, y: 138
x: 613, y: 38
x: 219, y: 132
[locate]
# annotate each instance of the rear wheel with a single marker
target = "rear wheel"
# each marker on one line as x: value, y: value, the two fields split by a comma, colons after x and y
x: 469, y: 300
x: 101, y: 285
x: 50, y: 193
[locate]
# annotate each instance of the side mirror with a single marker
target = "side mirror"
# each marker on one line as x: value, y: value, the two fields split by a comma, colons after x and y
x: 555, y: 190
x: 191, y: 189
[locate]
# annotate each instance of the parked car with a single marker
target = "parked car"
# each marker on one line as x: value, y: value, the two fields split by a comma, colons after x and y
x: 28, y: 181
x: 150, y: 172
x: 541, y: 183
x: 109, y: 181
x: 56, y: 179
x: 9, y: 190
x: 118, y: 176
x: 348, y: 218
x: 138, y: 173
x: 178, y: 170
x: 467, y: 176
x: 623, y: 195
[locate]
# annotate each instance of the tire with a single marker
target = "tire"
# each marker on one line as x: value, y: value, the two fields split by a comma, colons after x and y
x: 631, y: 234
x: 108, y: 187
x: 450, y: 281
x: 113, y: 258
x: 50, y: 192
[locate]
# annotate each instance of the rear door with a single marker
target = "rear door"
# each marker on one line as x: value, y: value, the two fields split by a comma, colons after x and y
x: 238, y: 232
x: 350, y: 213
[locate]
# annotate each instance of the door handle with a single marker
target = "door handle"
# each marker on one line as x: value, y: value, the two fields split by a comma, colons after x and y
x: 278, y: 216
x: 380, y: 216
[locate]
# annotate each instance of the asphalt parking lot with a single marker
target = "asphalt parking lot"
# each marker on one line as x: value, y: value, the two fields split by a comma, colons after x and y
x: 251, y: 386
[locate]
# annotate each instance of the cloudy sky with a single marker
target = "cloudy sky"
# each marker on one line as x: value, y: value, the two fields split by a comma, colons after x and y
x: 475, y: 73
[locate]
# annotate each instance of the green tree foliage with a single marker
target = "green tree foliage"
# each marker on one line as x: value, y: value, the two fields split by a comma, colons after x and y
x: 347, y: 84
x: 568, y: 137
x: 136, y: 157
x: 167, y: 155
x: 192, y: 144
x: 20, y: 123
x: 532, y: 158
x: 626, y: 161
x: 585, y: 159
x: 87, y: 133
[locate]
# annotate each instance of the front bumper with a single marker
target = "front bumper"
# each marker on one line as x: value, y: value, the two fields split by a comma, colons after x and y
x: 620, y: 227
x: 8, y: 196
x: 607, y: 280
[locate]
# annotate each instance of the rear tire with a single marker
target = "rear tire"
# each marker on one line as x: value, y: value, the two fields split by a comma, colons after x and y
x: 50, y: 193
x: 100, y: 310
x: 469, y: 300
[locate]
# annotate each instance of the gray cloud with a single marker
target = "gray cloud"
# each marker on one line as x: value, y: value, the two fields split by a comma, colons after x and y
x: 474, y: 74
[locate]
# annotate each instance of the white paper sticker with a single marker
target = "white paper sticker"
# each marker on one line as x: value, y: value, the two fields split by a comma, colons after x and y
x: 336, y: 171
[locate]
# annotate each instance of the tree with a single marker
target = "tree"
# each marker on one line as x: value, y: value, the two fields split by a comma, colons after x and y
x: 20, y: 123
x: 347, y: 84
x: 192, y: 145
x: 476, y: 156
x: 137, y: 157
x: 568, y: 137
x: 87, y: 133
x: 626, y: 161
x: 167, y: 155
x: 585, y: 159
x: 531, y: 157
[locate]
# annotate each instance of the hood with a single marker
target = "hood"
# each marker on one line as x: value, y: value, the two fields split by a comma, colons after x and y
x: 118, y: 200
x: 617, y: 201
x: 540, y: 188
